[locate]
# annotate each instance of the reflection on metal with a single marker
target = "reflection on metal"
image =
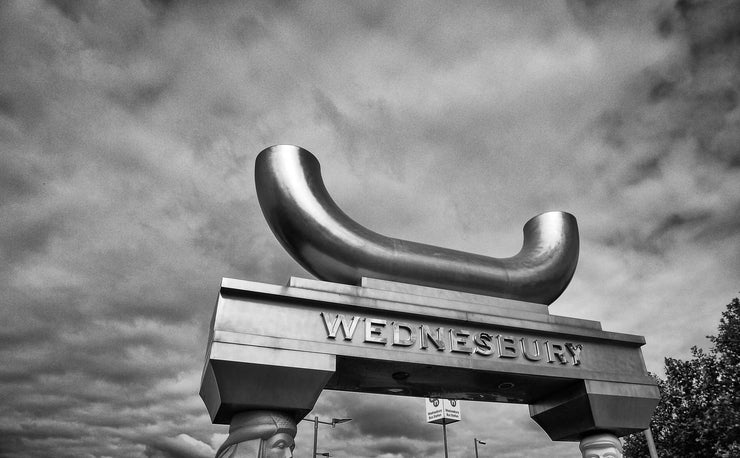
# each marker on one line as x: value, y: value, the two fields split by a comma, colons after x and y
x: 483, y: 343
x: 314, y: 335
x: 332, y: 246
x: 595, y: 406
x: 274, y: 430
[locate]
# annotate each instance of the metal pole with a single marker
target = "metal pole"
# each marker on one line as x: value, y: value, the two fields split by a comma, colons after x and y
x: 651, y: 443
x: 475, y: 441
x: 444, y: 433
x: 315, y: 434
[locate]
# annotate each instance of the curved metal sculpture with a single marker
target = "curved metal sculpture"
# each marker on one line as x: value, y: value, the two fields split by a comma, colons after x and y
x: 332, y: 246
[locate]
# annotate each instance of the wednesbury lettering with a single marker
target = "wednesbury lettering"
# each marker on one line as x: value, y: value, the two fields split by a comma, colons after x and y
x: 399, y: 334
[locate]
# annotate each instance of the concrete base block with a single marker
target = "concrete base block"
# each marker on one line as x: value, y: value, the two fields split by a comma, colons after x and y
x: 240, y: 378
x: 588, y: 407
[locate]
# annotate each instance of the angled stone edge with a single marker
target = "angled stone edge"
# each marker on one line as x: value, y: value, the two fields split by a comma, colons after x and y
x: 508, y: 318
x: 271, y: 347
x: 502, y: 309
x: 592, y: 406
x: 422, y: 293
x: 415, y: 294
x: 238, y: 378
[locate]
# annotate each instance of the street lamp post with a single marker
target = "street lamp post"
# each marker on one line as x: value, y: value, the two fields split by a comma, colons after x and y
x: 475, y: 443
x: 651, y: 443
x: 315, y: 434
x: 334, y: 422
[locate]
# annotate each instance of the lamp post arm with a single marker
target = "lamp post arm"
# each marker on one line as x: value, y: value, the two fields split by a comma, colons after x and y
x: 314, y: 421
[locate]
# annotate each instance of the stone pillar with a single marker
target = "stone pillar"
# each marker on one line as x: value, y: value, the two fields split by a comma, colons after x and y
x: 260, y: 434
x: 603, y: 445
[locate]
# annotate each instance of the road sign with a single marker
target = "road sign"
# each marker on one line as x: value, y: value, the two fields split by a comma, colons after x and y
x: 443, y: 411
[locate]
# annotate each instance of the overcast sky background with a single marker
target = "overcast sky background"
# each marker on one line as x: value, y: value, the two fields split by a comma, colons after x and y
x: 128, y: 133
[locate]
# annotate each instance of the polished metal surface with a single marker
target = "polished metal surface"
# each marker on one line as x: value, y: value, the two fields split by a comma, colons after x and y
x: 277, y: 347
x: 332, y: 246
x: 595, y: 406
x: 239, y: 378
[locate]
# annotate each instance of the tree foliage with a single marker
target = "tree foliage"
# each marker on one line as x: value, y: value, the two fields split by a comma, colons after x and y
x: 699, y: 410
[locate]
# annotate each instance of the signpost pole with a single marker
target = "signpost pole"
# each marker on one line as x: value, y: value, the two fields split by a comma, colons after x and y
x: 315, y: 433
x: 444, y: 433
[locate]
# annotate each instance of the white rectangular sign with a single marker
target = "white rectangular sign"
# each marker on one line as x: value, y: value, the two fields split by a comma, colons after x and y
x: 443, y: 411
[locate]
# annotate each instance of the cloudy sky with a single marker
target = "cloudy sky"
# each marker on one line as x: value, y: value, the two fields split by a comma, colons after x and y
x: 128, y: 133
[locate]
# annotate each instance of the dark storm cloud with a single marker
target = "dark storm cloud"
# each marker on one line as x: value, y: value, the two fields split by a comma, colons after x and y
x: 17, y: 181
x: 403, y: 424
x: 28, y: 235
x: 95, y: 314
x: 672, y: 130
x: 182, y: 446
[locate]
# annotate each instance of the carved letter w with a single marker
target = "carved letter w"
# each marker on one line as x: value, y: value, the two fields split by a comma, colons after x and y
x: 333, y: 327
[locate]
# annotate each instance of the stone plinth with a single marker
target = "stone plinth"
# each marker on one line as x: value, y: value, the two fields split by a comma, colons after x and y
x: 276, y: 347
